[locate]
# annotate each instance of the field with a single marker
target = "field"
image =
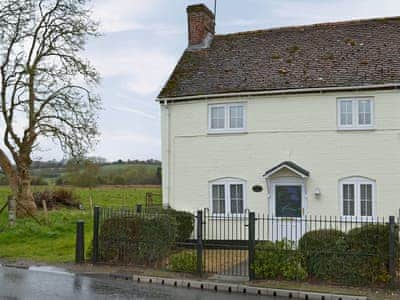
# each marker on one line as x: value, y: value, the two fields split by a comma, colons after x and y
x: 55, y: 242
x: 110, y: 174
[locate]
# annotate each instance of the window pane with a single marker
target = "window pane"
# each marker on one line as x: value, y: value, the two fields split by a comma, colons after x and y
x: 364, y: 112
x: 218, y: 199
x: 236, y: 198
x: 288, y: 201
x: 236, y: 116
x: 346, y: 112
x: 217, y: 117
x: 366, y: 199
x: 348, y: 199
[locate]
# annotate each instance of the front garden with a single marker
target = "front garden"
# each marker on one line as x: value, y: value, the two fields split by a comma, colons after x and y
x: 163, y: 240
x: 166, y: 240
x: 359, y: 257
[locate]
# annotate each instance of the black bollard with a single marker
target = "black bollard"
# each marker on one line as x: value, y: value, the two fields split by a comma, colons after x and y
x: 80, y: 242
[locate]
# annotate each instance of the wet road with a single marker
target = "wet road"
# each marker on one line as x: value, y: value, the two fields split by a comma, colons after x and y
x: 43, y: 284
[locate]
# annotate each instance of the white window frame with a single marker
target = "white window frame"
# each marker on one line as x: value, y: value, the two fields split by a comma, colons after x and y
x: 357, y: 181
x: 226, y: 128
x: 227, y: 182
x: 355, y: 117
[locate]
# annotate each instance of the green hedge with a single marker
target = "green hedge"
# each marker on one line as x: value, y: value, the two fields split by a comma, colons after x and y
x: 184, y: 220
x: 185, y: 261
x: 323, y: 252
x: 359, y: 257
x: 370, y: 245
x: 140, y: 239
x: 278, y: 261
x: 185, y: 223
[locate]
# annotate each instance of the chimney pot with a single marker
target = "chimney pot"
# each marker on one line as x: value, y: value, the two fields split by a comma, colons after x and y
x: 201, y: 25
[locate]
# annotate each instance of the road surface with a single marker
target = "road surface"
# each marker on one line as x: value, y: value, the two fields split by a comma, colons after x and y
x: 50, y: 283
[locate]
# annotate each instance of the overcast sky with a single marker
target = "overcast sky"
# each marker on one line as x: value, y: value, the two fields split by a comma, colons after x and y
x: 143, y: 39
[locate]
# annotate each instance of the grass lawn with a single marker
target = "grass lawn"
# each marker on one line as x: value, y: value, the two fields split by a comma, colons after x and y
x: 54, y: 243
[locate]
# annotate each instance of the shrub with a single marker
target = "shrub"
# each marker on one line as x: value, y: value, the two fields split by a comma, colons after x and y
x: 119, y: 180
x: 323, y: 251
x: 185, y: 223
x: 184, y: 220
x: 89, y: 251
x: 185, y: 261
x: 140, y: 239
x: 65, y: 198
x: 38, y: 180
x: 60, y: 181
x: 369, y: 253
x: 357, y: 258
x: 56, y: 198
x: 278, y: 260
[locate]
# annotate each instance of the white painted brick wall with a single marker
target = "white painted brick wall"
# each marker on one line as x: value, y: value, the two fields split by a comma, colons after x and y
x: 300, y: 128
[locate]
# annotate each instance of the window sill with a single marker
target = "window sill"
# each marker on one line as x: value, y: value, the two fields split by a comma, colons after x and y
x: 227, y: 217
x: 226, y: 132
x: 289, y: 219
x: 356, y: 129
x: 357, y: 219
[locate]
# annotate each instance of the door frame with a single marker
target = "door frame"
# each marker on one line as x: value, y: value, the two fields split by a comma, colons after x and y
x: 273, y: 182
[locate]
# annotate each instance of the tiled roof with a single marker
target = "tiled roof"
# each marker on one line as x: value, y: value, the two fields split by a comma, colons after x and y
x: 344, y: 54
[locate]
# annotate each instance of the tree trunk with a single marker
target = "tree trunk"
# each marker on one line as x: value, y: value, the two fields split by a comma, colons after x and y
x: 23, y: 194
x: 20, y: 182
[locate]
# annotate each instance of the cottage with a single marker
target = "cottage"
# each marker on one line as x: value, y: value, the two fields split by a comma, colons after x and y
x: 289, y: 121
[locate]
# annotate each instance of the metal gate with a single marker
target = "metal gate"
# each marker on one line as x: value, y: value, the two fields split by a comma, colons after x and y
x: 224, y: 244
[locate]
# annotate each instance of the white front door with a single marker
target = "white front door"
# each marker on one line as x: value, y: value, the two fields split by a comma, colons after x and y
x: 288, y: 205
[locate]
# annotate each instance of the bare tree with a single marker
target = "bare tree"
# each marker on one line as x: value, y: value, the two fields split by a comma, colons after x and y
x: 47, y: 87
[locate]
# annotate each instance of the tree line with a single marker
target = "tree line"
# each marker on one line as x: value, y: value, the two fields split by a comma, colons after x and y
x: 94, y: 171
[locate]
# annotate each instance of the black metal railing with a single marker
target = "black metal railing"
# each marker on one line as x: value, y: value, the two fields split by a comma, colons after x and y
x: 257, y: 245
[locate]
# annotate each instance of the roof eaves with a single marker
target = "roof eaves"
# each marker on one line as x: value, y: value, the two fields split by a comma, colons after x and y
x: 162, y: 98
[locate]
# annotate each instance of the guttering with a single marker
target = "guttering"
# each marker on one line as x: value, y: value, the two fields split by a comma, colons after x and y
x: 287, y: 91
x: 165, y: 154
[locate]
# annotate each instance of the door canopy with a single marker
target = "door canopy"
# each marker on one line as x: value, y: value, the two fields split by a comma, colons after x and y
x: 290, y: 166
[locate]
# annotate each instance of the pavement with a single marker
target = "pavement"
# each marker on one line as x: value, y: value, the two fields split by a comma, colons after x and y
x: 57, y: 283
x: 28, y: 280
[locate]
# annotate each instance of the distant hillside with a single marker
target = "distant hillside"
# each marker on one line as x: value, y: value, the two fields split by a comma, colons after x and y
x: 91, y: 173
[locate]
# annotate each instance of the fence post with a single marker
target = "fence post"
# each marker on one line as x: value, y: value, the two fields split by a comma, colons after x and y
x: 80, y: 242
x: 96, y: 217
x: 392, y: 254
x: 138, y: 208
x: 12, y: 210
x: 252, y: 244
x: 199, y: 244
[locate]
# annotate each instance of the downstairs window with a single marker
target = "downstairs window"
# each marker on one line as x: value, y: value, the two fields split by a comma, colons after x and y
x: 357, y: 197
x: 228, y: 196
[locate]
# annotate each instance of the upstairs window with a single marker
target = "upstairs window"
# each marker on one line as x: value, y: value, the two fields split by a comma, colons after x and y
x: 227, y: 196
x: 217, y: 117
x: 357, y: 197
x: 228, y: 117
x: 355, y: 113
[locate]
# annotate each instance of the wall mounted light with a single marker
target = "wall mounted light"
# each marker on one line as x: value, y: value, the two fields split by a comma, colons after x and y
x: 317, y: 192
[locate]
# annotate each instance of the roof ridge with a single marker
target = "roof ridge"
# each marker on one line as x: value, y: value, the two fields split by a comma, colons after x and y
x: 314, y: 25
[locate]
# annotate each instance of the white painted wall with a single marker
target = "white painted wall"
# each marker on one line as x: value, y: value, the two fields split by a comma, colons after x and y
x: 301, y: 128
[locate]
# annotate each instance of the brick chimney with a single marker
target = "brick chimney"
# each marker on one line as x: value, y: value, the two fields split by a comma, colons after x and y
x: 201, y: 26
